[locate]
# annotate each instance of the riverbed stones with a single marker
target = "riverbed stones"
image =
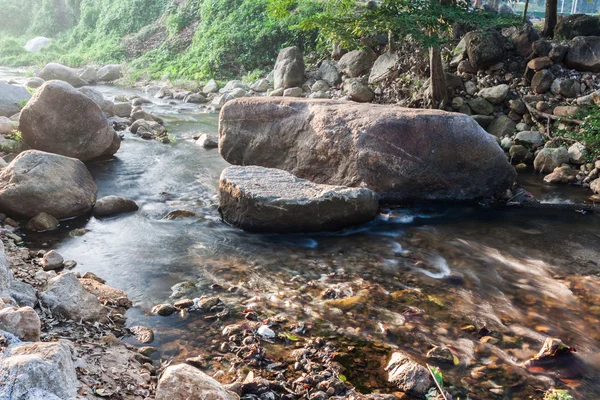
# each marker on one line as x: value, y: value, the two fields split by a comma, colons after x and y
x: 496, y: 94
x: 562, y: 174
x: 142, y: 334
x: 548, y: 159
x: 164, y: 310
x: 484, y: 48
x: 383, y: 67
x: 184, y: 382
x: 358, y: 91
x: 584, y: 54
x: 542, y: 81
x: 289, y: 68
x: 577, y: 154
x: 48, y: 123
x: 42, y: 222
x: 408, y: 375
x: 113, y: 205
x: 566, y: 111
x: 271, y: 200
x: 211, y: 87
x: 38, y: 371
x: 403, y: 154
x: 328, y: 71
x: 66, y: 297
x: 109, y: 73
x: 575, y: 25
x: 355, y: 63
x: 481, y: 106
x: 36, y: 182
x: 55, y: 71
x: 529, y: 138
x: 52, y: 260
x: 207, y: 141
x: 12, y: 98
x: 22, y: 322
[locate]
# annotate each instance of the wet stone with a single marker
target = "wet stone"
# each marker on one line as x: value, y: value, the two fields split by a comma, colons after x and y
x: 52, y: 260
x: 441, y: 355
x: 163, y: 310
x: 183, y: 304
x: 142, y: 334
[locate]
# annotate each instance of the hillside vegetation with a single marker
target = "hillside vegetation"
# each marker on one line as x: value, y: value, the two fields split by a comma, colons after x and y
x: 188, y: 39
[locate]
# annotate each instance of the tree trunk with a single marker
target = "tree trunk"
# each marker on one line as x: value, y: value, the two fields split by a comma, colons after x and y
x: 551, y: 18
x: 496, y: 4
x: 525, y: 11
x: 439, y: 92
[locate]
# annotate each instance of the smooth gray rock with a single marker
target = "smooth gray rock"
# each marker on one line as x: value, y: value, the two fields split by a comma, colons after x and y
x: 496, y: 94
x: 22, y: 322
x: 355, y: 63
x: 383, y: 67
x: 328, y: 71
x: 12, y: 99
x: 109, y: 73
x: 55, y: 71
x: 529, y: 138
x: 502, y: 126
x: 548, y: 159
x: 112, y: 205
x: 36, y: 44
x: 60, y: 119
x: 36, y: 182
x: 289, y: 68
x: 271, y: 200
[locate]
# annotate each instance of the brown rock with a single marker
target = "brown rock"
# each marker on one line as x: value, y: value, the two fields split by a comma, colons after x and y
x: 23, y: 322
x: 403, y: 154
x: 539, y: 63
x: 184, y: 382
x: 566, y: 111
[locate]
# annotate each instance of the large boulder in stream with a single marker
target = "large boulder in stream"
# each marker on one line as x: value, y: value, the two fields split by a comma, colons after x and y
x: 36, y: 182
x: 271, y: 200
x: 59, y: 119
x: 403, y: 154
x: 12, y: 99
x: 55, y: 71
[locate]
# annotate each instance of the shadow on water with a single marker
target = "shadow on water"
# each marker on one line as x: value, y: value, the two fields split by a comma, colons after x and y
x: 489, y: 284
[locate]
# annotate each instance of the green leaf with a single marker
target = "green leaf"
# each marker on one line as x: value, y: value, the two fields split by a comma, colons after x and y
x: 342, y: 378
x: 438, y: 375
x: 291, y: 337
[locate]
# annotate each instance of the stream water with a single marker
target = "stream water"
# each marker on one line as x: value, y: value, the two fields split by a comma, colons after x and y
x: 489, y: 284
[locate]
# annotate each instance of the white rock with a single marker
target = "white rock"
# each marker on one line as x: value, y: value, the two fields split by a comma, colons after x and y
x: 36, y: 44
x: 184, y: 382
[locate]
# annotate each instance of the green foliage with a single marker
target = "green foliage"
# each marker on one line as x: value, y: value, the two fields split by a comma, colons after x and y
x: 588, y: 132
x: 232, y: 38
x: 557, y: 394
x: 427, y: 22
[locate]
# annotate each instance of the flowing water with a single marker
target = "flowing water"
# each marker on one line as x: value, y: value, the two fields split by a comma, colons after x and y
x: 489, y: 284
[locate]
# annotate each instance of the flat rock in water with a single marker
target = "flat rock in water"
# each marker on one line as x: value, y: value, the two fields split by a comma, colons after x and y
x: 402, y: 154
x: 42, y: 222
x: 112, y: 205
x: 271, y: 200
x: 142, y: 334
